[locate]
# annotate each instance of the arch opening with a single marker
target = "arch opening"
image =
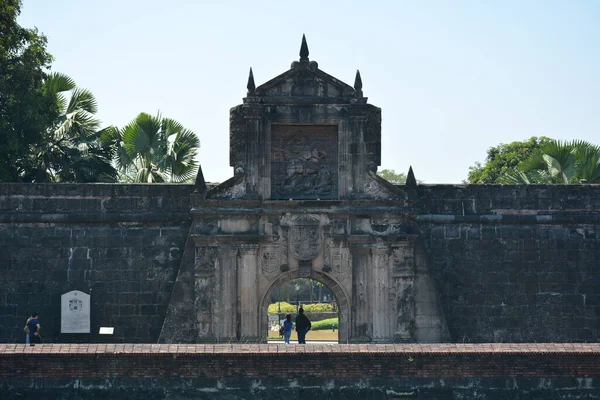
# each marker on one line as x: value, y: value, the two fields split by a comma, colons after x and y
x: 330, y: 321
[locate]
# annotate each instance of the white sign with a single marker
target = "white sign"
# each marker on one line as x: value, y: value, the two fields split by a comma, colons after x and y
x: 75, y: 312
x: 107, y: 330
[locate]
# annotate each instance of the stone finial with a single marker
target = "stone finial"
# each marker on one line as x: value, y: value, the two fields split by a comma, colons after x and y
x: 200, y: 184
x: 358, y: 84
x: 304, y: 49
x: 410, y: 178
x: 251, y: 86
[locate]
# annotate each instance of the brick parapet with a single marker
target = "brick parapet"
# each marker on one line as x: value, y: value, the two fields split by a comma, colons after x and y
x: 321, y: 361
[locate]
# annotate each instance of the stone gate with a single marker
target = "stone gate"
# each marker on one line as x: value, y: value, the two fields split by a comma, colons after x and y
x: 305, y: 201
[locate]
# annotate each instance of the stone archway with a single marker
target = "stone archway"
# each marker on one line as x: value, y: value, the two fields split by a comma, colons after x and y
x: 342, y: 298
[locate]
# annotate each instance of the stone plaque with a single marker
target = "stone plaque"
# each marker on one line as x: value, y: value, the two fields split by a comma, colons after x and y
x: 304, y: 162
x: 75, y: 312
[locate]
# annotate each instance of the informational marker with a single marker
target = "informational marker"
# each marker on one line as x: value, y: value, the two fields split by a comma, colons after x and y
x: 75, y: 312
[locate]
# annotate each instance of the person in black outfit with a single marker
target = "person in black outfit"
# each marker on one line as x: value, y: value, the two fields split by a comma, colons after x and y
x: 302, y: 326
x: 34, y: 329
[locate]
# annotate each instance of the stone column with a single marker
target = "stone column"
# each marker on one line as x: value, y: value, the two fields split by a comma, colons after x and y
x: 403, y: 273
x: 361, y: 330
x: 248, y: 305
x: 381, y: 287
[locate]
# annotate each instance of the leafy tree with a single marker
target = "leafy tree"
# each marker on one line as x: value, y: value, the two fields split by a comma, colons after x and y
x: 392, y: 176
x: 156, y: 149
x: 502, y: 159
x: 26, y: 109
x: 558, y: 162
x: 74, y: 148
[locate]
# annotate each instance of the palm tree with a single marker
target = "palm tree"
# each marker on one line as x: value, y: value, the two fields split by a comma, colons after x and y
x: 155, y: 149
x: 74, y: 149
x: 559, y: 162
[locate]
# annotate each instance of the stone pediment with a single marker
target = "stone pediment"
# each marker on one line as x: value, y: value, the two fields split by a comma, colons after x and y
x: 304, y: 82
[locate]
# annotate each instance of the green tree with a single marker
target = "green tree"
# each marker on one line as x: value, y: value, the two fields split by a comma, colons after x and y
x: 26, y: 109
x: 156, y: 149
x: 392, y: 176
x: 502, y: 159
x: 74, y: 148
x: 558, y: 162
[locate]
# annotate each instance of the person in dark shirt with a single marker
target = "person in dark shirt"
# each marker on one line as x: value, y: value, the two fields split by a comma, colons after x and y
x: 34, y: 329
x: 302, y: 326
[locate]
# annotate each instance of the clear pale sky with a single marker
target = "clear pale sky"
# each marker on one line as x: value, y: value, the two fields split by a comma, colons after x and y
x: 453, y: 78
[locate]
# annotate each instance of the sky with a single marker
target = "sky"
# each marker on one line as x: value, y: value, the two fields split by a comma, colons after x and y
x: 453, y: 78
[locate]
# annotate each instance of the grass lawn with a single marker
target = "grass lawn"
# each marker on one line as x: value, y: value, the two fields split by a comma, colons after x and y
x: 311, y: 335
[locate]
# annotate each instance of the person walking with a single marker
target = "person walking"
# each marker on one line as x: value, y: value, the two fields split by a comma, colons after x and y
x: 26, y: 329
x: 287, y: 328
x: 302, y: 326
x: 34, y: 329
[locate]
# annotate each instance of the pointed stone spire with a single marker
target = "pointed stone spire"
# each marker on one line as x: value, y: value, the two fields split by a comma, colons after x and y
x: 410, y: 178
x: 251, y: 86
x: 200, y: 184
x: 358, y: 84
x: 304, y: 49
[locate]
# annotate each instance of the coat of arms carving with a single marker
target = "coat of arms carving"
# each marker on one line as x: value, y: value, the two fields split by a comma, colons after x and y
x: 305, y: 238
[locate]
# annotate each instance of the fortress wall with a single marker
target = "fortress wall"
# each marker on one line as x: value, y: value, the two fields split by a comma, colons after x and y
x: 511, y: 263
x: 515, y: 263
x: 121, y: 242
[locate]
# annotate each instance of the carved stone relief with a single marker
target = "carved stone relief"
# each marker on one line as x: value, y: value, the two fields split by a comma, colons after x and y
x: 403, y: 259
x: 270, y: 261
x: 205, y: 258
x: 304, y: 162
x: 337, y: 261
x: 305, y: 237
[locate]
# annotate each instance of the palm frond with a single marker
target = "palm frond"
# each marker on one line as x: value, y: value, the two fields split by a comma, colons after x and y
x: 57, y: 82
x: 82, y: 99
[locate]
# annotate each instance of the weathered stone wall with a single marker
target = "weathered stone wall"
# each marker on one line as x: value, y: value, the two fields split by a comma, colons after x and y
x: 509, y: 263
x: 486, y: 372
x: 515, y: 263
x: 121, y: 243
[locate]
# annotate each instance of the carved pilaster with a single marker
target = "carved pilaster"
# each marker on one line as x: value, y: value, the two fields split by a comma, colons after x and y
x: 403, y: 272
x: 225, y: 300
x: 361, y: 330
x: 255, y: 146
x: 357, y: 151
x: 248, y: 303
x: 204, y: 284
x: 382, y: 286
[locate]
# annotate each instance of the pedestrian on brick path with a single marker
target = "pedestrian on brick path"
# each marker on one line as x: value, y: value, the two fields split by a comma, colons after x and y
x: 302, y: 326
x: 287, y: 328
x: 34, y: 329
x: 26, y: 329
